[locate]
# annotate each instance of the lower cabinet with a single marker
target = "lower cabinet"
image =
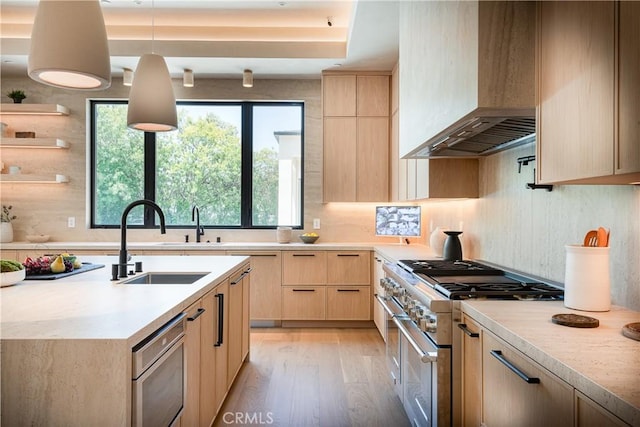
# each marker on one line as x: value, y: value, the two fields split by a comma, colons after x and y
x: 590, y: 414
x: 472, y: 369
x: 517, y: 391
x: 191, y: 413
x: 238, y: 322
x: 303, y: 302
x: 348, y: 303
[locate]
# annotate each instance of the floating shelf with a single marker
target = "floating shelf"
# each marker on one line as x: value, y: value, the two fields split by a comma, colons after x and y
x: 33, y: 179
x: 34, y: 109
x: 33, y: 143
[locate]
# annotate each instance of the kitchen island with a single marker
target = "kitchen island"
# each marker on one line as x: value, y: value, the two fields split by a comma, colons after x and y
x: 67, y: 343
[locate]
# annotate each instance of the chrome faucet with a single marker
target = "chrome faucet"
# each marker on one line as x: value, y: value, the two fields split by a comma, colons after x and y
x: 195, y: 216
x: 122, y: 261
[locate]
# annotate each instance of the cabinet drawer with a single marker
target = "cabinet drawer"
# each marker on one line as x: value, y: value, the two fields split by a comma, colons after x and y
x: 304, y: 268
x: 303, y: 302
x: 508, y: 399
x: 349, y: 268
x: 348, y: 303
x: 591, y: 414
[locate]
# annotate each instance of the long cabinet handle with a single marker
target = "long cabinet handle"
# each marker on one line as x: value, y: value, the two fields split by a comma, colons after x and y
x: 530, y: 380
x: 195, y: 316
x: 242, y: 276
x: 263, y: 255
x: 466, y: 330
x: 304, y: 254
x: 348, y: 290
x: 348, y: 254
x: 303, y: 290
x: 220, y: 320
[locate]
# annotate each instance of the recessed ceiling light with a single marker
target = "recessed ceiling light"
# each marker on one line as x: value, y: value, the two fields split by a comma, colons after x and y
x: 282, y: 3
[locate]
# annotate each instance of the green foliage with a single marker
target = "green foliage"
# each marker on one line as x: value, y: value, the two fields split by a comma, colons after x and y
x: 198, y: 165
x: 16, y: 95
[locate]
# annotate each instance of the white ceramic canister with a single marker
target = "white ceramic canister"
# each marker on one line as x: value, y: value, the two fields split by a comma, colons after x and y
x: 284, y: 234
x: 587, y: 283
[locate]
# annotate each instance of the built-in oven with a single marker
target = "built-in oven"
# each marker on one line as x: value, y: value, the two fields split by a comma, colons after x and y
x: 158, y: 376
x: 420, y: 368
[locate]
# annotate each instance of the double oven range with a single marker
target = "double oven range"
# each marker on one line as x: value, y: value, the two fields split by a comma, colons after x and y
x: 421, y: 299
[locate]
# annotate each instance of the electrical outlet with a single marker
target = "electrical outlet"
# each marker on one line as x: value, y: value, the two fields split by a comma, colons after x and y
x: 316, y: 223
x: 71, y: 222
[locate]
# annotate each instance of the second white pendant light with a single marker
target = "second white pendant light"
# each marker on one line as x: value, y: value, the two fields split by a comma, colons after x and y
x: 152, y: 103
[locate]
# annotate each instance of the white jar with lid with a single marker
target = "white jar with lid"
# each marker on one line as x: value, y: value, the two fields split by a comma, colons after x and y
x: 284, y: 234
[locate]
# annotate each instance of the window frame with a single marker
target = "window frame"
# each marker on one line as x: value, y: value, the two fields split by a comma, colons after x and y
x: 246, y: 192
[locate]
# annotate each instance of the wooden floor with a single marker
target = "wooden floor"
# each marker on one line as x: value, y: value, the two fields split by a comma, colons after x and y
x: 314, y: 377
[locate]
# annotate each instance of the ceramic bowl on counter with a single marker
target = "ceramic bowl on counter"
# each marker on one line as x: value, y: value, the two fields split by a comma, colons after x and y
x: 38, y: 238
x: 12, y: 277
x: 308, y: 239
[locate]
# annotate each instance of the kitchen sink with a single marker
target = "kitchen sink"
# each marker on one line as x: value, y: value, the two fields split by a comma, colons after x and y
x: 189, y: 244
x: 164, y: 279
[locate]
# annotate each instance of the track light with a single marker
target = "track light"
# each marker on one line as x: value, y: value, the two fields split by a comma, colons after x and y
x: 69, y: 47
x: 187, y: 78
x: 247, y: 78
x: 127, y: 76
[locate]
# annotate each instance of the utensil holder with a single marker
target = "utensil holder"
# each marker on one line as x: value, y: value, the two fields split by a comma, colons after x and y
x: 283, y: 234
x: 587, y: 283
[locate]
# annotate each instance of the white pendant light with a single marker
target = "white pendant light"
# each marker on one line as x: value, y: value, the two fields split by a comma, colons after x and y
x: 152, y: 103
x: 247, y: 78
x: 127, y: 76
x: 187, y: 78
x: 69, y: 47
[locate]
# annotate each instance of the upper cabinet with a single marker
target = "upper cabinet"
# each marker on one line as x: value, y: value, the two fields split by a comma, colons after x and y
x: 356, y: 137
x: 588, y: 118
x: 458, y: 57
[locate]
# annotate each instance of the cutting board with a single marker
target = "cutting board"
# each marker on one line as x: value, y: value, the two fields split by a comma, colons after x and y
x: 86, y: 266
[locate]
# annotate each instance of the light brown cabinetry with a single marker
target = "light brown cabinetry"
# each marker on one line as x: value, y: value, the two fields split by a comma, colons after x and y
x: 266, y: 281
x: 191, y: 413
x: 517, y: 390
x: 471, y: 372
x: 356, y: 137
x: 238, y: 322
x: 326, y: 285
x: 590, y: 414
x: 589, y: 82
x: 214, y: 352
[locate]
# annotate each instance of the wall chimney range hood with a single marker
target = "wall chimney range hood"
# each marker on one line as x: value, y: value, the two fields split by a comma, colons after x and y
x: 482, y: 132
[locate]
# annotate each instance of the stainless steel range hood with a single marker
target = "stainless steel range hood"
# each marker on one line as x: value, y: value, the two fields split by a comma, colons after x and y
x: 482, y: 132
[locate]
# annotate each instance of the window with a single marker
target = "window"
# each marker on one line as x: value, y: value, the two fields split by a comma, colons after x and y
x: 241, y: 163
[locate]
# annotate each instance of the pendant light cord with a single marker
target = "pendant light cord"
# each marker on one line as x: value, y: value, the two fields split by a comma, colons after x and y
x: 153, y: 34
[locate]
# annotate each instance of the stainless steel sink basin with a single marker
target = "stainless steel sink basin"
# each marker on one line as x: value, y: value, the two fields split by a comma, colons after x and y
x: 164, y: 279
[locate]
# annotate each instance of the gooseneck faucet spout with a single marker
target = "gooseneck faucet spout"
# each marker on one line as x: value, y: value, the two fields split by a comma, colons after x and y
x: 195, y: 216
x: 122, y: 260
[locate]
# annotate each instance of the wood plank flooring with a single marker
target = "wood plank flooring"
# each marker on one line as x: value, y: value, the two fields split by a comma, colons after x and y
x: 302, y: 377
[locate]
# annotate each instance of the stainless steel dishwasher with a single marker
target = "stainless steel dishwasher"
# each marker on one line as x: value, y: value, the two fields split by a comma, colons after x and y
x: 158, y: 386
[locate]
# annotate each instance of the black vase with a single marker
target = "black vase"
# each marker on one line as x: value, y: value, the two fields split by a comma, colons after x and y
x: 452, y: 250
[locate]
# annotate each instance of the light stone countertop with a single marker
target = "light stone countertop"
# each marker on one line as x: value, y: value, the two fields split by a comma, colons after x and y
x: 90, y: 306
x: 204, y: 246
x: 600, y: 362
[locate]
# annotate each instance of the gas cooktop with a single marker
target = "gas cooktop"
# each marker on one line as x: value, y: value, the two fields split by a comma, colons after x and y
x: 469, y: 279
x: 440, y: 267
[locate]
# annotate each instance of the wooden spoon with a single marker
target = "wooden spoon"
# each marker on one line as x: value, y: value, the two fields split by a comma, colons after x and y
x: 591, y: 238
x: 602, y: 240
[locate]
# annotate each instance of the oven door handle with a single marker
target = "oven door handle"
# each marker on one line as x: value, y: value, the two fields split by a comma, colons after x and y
x: 384, y: 305
x: 425, y: 356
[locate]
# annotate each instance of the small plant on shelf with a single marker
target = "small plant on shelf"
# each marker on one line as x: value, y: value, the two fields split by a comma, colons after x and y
x: 17, y: 95
x: 6, y: 213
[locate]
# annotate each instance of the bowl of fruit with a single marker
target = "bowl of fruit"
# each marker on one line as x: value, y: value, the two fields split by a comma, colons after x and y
x: 11, y: 273
x: 309, y: 237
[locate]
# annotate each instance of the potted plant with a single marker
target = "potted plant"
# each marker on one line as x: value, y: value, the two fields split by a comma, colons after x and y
x: 17, y: 95
x: 6, y: 230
